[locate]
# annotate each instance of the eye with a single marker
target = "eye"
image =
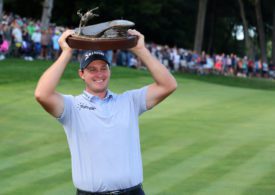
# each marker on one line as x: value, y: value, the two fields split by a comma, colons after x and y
x: 104, y: 68
x: 91, y: 69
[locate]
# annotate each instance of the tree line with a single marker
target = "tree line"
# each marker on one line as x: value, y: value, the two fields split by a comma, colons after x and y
x: 202, y: 25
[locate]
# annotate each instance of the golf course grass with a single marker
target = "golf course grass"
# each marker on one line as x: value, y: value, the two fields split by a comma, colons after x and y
x: 215, y: 135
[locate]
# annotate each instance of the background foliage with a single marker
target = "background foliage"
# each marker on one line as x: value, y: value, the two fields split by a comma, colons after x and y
x: 171, y: 22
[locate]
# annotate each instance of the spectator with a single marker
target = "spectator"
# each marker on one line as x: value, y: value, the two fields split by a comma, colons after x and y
x: 250, y: 68
x: 56, y: 48
x: 7, y: 34
x: 4, y: 47
x: 133, y: 62
x: 258, y: 68
x: 31, y: 28
x: 218, y: 65
x: 265, y: 70
x: 17, y: 37
x: 45, y: 44
x: 109, y: 55
x: 36, y: 39
x: 176, y: 59
x: 27, y: 46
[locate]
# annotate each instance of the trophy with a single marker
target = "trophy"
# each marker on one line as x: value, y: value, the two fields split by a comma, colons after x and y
x: 103, y: 36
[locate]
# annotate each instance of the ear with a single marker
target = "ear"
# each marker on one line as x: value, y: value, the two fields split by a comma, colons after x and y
x: 81, y: 74
x: 110, y: 69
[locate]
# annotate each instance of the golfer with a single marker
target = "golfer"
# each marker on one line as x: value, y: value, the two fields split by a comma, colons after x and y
x: 101, y: 126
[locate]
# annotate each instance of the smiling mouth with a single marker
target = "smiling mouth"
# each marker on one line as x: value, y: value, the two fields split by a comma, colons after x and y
x: 99, y: 81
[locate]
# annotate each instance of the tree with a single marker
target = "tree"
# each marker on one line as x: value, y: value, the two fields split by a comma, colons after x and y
x: 47, y: 13
x: 1, y: 9
x: 211, y: 22
x: 200, y: 25
x: 248, y: 42
x: 261, y: 29
x: 273, y: 33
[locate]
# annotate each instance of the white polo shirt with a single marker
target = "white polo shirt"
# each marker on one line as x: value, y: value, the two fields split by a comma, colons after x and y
x: 103, y: 137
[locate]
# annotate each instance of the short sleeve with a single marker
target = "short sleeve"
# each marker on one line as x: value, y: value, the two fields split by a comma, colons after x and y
x: 139, y: 99
x: 65, y: 117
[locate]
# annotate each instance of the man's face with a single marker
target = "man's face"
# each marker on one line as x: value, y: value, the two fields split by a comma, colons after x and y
x: 96, y: 76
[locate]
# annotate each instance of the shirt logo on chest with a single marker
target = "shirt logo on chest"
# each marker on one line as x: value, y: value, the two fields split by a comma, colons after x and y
x: 81, y: 106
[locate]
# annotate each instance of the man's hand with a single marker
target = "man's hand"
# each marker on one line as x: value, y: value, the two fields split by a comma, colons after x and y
x: 140, y: 44
x: 62, y: 40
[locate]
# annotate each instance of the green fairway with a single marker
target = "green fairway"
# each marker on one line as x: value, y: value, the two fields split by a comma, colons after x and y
x: 214, y: 135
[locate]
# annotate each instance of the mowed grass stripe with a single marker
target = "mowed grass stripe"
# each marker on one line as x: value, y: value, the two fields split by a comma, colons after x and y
x: 264, y: 184
x: 222, y: 109
x: 28, y: 131
x: 236, y: 133
x: 185, y: 101
x: 198, y: 131
x: 176, y: 157
x: 215, y: 171
x: 188, y: 167
x: 228, y: 139
x: 18, y: 144
x: 66, y: 188
x: 32, y: 164
x: 243, y: 118
x: 158, y: 152
x: 31, y: 156
x: 39, y: 173
x: 38, y: 186
x: 244, y: 176
x: 212, y: 117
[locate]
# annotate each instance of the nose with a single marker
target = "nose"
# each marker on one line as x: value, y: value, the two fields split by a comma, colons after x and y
x: 99, y: 73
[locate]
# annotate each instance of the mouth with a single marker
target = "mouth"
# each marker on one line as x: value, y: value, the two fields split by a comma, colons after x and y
x: 99, y: 81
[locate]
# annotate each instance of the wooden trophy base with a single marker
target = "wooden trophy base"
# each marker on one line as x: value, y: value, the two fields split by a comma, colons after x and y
x: 90, y: 43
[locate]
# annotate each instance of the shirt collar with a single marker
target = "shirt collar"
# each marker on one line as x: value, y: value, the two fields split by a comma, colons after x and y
x: 90, y: 97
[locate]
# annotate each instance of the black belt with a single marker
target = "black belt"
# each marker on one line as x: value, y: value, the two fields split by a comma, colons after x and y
x: 115, y: 192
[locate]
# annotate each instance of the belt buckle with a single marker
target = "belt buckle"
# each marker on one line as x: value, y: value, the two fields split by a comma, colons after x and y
x: 114, y: 192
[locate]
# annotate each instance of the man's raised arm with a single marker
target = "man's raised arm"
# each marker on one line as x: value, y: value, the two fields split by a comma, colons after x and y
x: 45, y: 92
x: 164, y: 83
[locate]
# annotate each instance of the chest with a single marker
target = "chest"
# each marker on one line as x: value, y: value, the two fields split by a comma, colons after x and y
x: 103, y: 118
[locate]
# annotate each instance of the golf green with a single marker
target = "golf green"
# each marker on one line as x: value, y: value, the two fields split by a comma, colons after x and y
x: 214, y: 135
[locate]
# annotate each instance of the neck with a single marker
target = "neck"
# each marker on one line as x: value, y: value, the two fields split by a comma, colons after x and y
x: 101, y: 95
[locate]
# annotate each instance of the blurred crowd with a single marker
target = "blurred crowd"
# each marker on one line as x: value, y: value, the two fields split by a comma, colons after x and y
x: 179, y: 59
x: 25, y: 38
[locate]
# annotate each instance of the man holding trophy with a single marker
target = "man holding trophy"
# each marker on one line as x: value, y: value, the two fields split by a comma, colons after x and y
x: 102, y: 127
